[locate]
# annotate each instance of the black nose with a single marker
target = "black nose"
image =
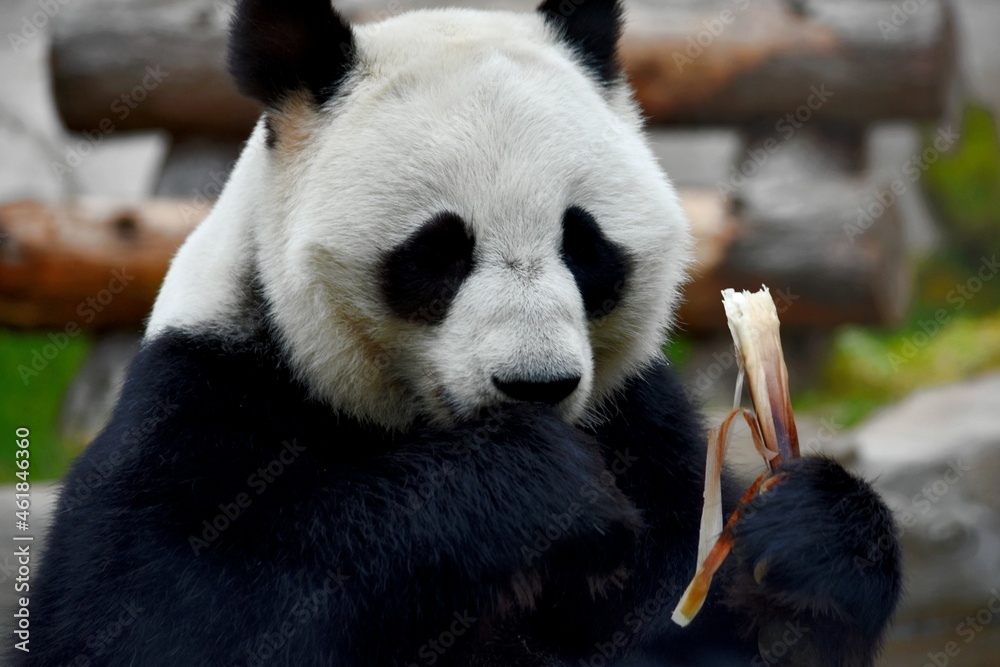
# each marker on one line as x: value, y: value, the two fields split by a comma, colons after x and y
x: 546, y: 391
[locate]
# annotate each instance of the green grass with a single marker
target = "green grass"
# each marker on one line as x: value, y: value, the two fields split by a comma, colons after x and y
x: 34, y: 401
x: 869, y: 368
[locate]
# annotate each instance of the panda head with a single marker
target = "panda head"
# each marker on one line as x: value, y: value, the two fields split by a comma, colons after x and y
x: 447, y: 210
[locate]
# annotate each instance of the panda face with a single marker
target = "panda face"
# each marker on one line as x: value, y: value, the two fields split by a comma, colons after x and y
x: 473, y: 218
x: 520, y: 301
x: 515, y: 298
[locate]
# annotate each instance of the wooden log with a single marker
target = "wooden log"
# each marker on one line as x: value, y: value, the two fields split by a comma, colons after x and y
x: 160, y: 63
x: 839, y: 60
x: 57, y: 263
x: 91, y: 264
x: 820, y: 272
x: 827, y: 240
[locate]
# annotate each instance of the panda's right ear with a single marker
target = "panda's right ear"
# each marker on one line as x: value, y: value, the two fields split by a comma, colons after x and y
x: 279, y: 48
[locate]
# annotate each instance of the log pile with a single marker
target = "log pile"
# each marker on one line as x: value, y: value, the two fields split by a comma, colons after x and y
x: 99, y: 263
x: 162, y: 64
x: 802, y: 80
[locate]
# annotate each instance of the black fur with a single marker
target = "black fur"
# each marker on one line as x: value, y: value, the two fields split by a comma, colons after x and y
x: 421, y: 277
x: 592, y: 28
x: 279, y: 47
x: 599, y: 267
x: 478, y: 544
x: 850, y: 591
x: 354, y: 541
x: 549, y: 391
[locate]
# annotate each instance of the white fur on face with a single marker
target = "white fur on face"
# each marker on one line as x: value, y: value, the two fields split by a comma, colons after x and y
x: 482, y: 114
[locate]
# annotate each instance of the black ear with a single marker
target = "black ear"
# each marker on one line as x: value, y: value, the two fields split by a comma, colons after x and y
x: 592, y: 28
x: 279, y: 47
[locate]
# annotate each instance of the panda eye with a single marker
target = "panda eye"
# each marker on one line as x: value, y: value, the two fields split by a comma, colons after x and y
x: 599, y: 267
x: 421, y: 277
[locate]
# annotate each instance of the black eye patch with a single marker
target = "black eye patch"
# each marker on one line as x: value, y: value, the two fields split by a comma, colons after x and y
x: 599, y: 267
x: 421, y: 277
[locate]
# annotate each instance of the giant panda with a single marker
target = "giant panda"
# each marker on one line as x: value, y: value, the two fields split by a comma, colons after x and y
x: 402, y: 400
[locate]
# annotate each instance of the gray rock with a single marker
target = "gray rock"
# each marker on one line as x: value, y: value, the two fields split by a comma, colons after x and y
x: 935, y: 457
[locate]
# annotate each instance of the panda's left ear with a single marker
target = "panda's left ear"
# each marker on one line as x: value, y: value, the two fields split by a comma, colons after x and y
x: 281, y: 47
x: 593, y: 29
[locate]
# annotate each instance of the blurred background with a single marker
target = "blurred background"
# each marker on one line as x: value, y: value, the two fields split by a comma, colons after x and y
x: 843, y: 152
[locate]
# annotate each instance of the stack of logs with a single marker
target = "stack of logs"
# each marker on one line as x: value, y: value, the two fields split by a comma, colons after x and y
x: 803, y: 81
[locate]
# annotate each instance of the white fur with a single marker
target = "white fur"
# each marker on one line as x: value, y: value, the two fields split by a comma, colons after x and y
x: 484, y: 114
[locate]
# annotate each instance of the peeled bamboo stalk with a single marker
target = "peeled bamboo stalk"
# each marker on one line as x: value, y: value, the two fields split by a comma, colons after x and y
x: 753, y: 321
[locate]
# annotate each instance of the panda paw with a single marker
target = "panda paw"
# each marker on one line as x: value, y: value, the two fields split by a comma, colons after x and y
x: 817, y: 566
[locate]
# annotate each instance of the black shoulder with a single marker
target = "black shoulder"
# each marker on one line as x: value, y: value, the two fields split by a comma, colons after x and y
x: 172, y: 487
x: 205, y: 394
